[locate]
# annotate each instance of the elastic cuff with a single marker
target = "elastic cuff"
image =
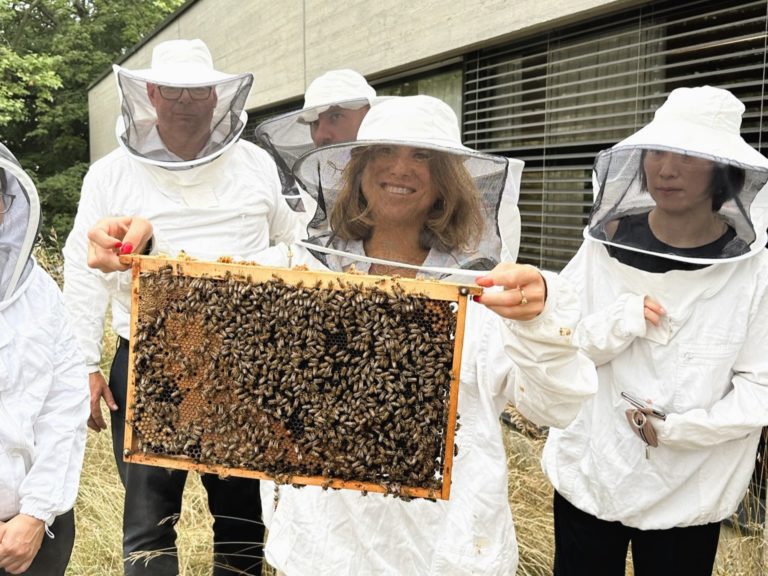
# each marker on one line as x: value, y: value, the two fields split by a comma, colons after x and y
x: 47, y: 519
x: 634, y: 322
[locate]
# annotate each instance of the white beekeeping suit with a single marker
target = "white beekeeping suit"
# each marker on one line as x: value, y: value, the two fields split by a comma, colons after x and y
x: 533, y: 363
x: 181, y: 166
x: 673, y: 278
x: 43, y: 383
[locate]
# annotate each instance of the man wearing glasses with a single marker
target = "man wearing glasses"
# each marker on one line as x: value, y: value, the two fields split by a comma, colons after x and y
x: 182, y: 166
x: 183, y: 117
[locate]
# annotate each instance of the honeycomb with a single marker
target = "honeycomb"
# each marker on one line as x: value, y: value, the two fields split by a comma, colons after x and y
x: 338, y: 381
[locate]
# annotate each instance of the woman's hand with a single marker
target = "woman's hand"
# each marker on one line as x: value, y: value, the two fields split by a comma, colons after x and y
x: 113, y: 236
x: 524, y: 291
x: 653, y: 311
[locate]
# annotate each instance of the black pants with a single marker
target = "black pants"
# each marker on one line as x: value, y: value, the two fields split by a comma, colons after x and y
x: 54, y: 553
x: 153, y: 503
x: 585, y: 544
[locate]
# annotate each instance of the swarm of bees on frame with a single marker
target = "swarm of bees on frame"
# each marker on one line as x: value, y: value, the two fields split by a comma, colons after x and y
x: 335, y: 381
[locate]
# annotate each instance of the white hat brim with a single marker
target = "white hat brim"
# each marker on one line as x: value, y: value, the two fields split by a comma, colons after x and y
x: 182, y: 75
x: 339, y: 154
x: 311, y: 113
x: 696, y: 139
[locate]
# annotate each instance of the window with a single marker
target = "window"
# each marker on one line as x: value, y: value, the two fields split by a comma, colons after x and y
x: 444, y: 84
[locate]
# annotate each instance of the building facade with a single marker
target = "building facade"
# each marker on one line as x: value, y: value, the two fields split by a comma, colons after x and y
x: 551, y: 83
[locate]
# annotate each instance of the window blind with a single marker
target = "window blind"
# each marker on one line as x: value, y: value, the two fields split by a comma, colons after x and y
x: 555, y: 100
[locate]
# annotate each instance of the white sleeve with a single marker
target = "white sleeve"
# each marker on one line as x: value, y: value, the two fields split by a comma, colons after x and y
x: 552, y: 378
x: 606, y: 333
x: 87, y: 291
x: 50, y: 487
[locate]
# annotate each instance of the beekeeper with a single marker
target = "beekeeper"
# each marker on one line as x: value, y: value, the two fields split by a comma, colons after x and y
x: 673, y: 279
x: 43, y: 394
x: 335, y: 104
x: 408, y: 199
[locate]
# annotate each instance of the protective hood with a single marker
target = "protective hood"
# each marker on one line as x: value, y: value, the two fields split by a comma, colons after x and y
x: 184, y: 85
x: 345, y: 88
x: 430, y: 125
x: 287, y: 137
x: 19, y: 224
x: 686, y: 187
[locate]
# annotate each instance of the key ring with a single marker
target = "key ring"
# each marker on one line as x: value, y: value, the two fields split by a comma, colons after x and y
x: 638, y: 419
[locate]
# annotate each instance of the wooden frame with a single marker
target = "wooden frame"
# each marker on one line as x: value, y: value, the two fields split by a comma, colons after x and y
x: 252, y: 274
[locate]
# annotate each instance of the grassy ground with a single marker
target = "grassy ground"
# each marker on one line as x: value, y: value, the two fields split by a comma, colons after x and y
x: 99, y: 514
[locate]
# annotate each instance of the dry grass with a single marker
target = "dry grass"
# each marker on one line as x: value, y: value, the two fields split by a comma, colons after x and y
x: 99, y: 506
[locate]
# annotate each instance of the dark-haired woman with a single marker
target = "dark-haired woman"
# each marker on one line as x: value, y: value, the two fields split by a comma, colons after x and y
x: 673, y: 278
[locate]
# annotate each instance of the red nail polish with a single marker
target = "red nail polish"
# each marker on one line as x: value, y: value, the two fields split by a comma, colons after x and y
x: 118, y: 244
x: 476, y: 297
x: 126, y: 248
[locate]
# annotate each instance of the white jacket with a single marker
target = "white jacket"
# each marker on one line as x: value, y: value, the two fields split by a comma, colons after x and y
x: 231, y: 206
x: 43, y: 383
x: 43, y: 403
x: 707, y: 365
x: 533, y: 363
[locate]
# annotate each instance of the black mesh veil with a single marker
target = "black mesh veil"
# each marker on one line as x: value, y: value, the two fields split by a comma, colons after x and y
x: 632, y: 182
x: 287, y: 137
x: 19, y: 225
x: 321, y: 173
x: 136, y: 126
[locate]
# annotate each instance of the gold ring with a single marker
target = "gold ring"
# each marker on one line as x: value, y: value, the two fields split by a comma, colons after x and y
x: 523, y: 299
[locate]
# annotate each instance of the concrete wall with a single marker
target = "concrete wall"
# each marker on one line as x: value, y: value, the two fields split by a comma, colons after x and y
x: 288, y: 43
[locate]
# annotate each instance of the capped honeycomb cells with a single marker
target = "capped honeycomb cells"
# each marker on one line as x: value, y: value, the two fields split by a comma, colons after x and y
x: 346, y: 382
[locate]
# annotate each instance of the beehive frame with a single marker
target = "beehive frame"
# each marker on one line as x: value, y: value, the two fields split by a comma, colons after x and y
x: 216, y: 414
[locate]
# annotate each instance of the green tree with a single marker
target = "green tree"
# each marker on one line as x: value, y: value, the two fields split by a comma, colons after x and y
x: 50, y: 51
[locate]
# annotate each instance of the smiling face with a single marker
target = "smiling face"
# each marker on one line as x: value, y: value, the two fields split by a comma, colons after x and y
x: 678, y: 183
x: 337, y: 125
x: 397, y: 184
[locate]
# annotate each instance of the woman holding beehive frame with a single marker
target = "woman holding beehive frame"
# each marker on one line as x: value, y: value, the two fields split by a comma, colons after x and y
x: 409, y: 199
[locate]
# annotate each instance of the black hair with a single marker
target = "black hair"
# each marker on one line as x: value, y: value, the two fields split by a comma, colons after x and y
x: 727, y: 182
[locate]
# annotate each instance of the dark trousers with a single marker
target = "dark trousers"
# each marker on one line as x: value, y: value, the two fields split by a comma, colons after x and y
x: 585, y: 544
x: 153, y: 503
x: 54, y: 553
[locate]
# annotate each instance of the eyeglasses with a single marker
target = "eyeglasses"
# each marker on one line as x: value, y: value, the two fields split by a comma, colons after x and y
x: 5, y: 202
x: 196, y: 92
